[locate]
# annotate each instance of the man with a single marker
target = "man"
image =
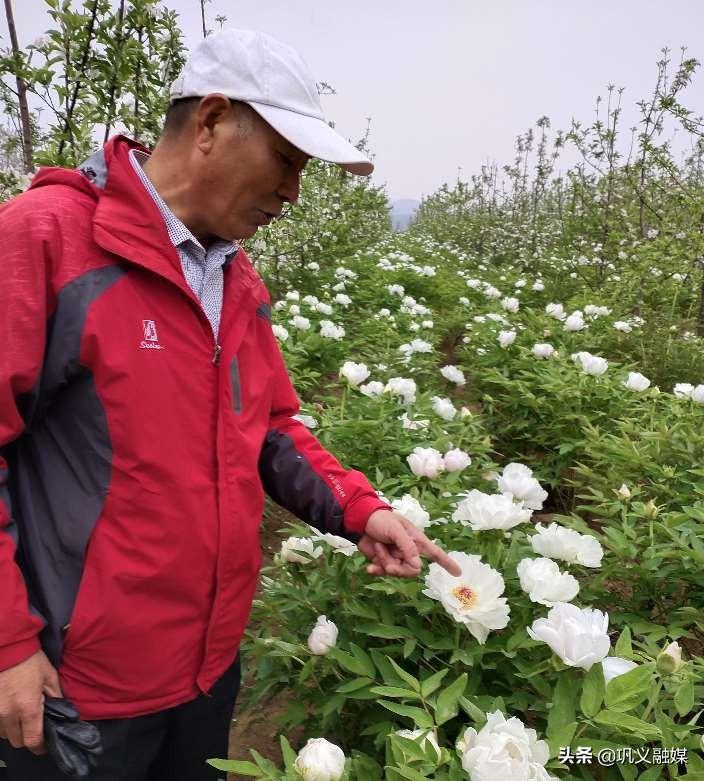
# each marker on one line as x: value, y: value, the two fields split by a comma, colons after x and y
x: 143, y: 404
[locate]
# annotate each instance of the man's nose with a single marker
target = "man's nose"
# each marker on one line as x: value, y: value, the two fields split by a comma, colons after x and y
x: 291, y: 187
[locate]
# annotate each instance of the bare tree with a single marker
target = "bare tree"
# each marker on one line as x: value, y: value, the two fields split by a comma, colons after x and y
x: 27, y: 151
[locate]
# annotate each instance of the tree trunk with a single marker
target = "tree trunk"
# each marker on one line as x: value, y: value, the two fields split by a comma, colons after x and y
x: 27, y: 150
x: 202, y: 13
x: 115, y: 76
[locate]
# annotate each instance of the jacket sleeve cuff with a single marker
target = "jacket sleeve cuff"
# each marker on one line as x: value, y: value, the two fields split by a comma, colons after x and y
x: 358, y: 512
x: 13, y: 654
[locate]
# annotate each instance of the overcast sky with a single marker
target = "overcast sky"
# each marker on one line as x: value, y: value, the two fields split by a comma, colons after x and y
x: 450, y: 83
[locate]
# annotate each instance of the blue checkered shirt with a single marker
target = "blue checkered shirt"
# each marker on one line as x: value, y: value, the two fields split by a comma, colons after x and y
x: 202, y: 268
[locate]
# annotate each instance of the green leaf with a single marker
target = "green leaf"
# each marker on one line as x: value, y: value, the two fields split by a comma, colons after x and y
x: 395, y: 691
x: 625, y: 692
x: 238, y: 766
x: 623, y: 723
x: 432, y: 683
x: 413, y: 682
x: 593, y: 689
x: 446, y: 705
x: 684, y: 697
x: 475, y: 713
x: 623, y: 647
x: 353, y: 685
x: 348, y: 662
x: 563, y: 705
x: 405, y: 773
x: 364, y: 659
x: 288, y: 754
x: 651, y: 774
x: 409, y: 646
x: 418, y: 715
x: 385, y: 631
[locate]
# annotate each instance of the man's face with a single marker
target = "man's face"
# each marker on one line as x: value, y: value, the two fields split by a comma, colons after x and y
x: 248, y: 175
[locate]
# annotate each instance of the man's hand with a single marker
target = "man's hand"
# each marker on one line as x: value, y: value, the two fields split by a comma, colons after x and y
x: 394, y: 546
x: 22, y: 690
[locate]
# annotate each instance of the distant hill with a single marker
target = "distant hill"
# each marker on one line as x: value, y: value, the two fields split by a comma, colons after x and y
x: 402, y: 212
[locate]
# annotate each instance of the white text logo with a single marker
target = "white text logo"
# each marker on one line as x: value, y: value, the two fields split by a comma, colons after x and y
x: 151, y: 340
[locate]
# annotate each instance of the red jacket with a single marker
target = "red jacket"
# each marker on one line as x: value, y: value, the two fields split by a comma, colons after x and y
x: 134, y: 450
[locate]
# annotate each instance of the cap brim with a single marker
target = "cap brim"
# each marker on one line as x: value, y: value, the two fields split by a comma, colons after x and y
x: 314, y: 137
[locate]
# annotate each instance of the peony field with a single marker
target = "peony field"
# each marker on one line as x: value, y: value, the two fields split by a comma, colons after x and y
x: 518, y: 369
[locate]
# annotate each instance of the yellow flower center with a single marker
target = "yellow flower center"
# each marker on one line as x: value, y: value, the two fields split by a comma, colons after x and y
x: 465, y: 595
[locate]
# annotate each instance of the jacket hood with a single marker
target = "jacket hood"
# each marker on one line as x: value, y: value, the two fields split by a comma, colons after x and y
x: 126, y: 221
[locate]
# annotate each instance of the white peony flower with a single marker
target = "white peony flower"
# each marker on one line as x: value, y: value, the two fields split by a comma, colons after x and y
x: 444, y: 408
x: 428, y: 324
x: 613, y: 666
x: 323, y: 637
x: 683, y: 390
x: 556, y: 310
x: 354, y: 373
x: 504, y: 750
x: 293, y: 295
x: 453, y: 374
x: 456, y: 460
x: 343, y: 299
x: 294, y: 309
x: 538, y: 286
x: 510, y: 304
x: 542, y: 580
x: 517, y: 479
x: 323, y: 308
x: 402, y: 386
x: 506, y: 338
x: 320, y: 760
x: 293, y: 547
x: 575, y: 322
x: 421, y: 346
x: 411, y: 508
x: 622, y: 326
x: 329, y: 330
x: 300, y: 322
x: 594, y: 365
x: 698, y: 394
x: 490, y: 511
x: 426, y: 462
x: 543, y: 350
x: 472, y: 598
x: 637, y: 382
x: 373, y: 388
x: 338, y: 544
x: 308, y: 420
x: 280, y: 332
x: 413, y: 425
x: 579, y: 636
x: 557, y: 542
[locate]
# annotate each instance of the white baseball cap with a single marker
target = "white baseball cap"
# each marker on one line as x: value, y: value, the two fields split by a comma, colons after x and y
x: 274, y: 80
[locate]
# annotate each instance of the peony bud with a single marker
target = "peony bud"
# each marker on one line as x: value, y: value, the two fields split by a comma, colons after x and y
x: 320, y: 760
x: 670, y: 660
x: 624, y: 492
x: 323, y: 637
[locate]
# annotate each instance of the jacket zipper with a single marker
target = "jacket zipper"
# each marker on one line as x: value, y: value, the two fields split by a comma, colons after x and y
x: 216, y: 354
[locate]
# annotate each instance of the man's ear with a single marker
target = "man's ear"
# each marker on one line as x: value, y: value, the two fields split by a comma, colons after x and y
x: 213, y: 113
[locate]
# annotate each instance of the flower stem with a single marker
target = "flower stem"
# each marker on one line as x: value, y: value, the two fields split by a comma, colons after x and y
x: 652, y: 701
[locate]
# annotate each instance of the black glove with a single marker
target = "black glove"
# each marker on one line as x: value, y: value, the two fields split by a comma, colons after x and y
x: 74, y: 745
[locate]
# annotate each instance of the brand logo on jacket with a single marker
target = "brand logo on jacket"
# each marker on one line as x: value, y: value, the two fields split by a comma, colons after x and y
x: 151, y: 339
